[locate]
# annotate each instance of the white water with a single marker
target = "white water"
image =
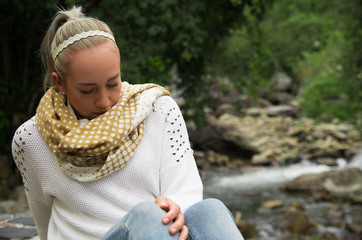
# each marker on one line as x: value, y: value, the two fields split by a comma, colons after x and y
x: 268, y: 177
x: 356, y: 161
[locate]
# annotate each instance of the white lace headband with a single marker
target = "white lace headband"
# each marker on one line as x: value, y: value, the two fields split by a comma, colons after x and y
x: 77, y: 37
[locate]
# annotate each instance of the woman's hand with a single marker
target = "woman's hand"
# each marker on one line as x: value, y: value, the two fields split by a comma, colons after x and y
x: 173, y: 213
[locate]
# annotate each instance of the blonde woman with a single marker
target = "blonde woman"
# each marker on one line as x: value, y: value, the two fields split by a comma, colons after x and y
x: 104, y: 159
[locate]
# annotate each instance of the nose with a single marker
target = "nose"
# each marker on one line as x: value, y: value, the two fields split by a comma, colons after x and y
x: 103, y: 101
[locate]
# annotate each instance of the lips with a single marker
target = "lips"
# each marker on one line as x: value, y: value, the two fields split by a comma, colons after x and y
x: 100, y: 113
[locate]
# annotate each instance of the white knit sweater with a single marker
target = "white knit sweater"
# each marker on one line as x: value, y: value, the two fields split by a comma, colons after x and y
x: 63, y: 208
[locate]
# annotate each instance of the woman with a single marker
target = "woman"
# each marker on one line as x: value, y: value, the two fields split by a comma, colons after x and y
x: 103, y: 159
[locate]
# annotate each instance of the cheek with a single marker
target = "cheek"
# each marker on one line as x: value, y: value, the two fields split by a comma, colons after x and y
x: 80, y: 103
x: 116, y: 95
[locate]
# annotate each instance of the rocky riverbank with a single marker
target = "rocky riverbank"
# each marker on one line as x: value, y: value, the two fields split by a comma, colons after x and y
x: 269, y: 133
x: 275, y: 136
x: 255, y: 137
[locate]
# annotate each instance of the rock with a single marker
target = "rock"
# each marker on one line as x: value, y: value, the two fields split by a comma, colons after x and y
x: 17, y: 233
x: 263, y: 103
x: 294, y: 220
x: 335, y: 215
x: 281, y: 81
x: 336, y: 211
x: 264, y: 158
x: 353, y: 152
x: 254, y: 112
x: 329, y: 236
x: 282, y: 110
x: 279, y: 98
x: 297, y: 205
x: 336, y: 131
x: 247, y: 230
x: 18, y: 226
x: 254, y: 136
x: 355, y: 192
x: 327, y: 161
x: 225, y: 108
x: 224, y: 135
x: 352, y: 191
x: 272, y: 204
x: 217, y: 159
x: 342, y: 184
x: 224, y: 93
x: 355, y: 225
x: 352, y: 236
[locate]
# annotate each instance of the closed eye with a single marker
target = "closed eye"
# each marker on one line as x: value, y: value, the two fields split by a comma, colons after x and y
x: 113, y: 85
x: 87, y: 92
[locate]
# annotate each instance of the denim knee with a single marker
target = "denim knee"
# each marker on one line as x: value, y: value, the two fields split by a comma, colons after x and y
x: 209, y: 205
x: 147, y: 209
x: 212, y: 203
x: 143, y: 221
x: 211, y: 219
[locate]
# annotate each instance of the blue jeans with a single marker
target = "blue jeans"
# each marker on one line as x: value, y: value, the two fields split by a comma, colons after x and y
x: 206, y: 220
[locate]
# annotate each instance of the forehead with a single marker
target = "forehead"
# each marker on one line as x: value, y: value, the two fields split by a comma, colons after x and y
x: 100, y: 59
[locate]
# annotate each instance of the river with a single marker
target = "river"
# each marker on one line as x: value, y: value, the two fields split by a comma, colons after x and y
x: 245, y: 191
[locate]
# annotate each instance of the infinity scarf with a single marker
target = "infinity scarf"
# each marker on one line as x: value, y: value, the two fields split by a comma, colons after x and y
x: 102, y: 145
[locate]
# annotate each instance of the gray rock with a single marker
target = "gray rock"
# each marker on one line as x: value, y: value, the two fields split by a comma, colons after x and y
x: 345, y: 184
x: 26, y: 221
x: 282, y: 81
x: 11, y: 232
x: 282, y: 110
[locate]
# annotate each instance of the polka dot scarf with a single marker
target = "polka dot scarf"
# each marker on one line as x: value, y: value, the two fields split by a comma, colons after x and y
x: 102, y: 145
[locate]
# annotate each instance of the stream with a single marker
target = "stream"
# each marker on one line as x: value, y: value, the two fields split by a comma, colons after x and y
x: 246, y: 190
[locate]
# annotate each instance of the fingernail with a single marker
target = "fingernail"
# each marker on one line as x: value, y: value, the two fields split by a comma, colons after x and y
x: 166, y: 220
x: 173, y: 230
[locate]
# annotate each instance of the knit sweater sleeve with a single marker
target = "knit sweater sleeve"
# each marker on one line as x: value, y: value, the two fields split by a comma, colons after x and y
x: 179, y: 176
x: 27, y: 146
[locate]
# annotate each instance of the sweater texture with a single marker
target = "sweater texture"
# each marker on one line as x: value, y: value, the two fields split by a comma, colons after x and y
x: 64, y: 208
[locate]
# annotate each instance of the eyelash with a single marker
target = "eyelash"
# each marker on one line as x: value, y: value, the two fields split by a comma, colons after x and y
x: 109, y: 86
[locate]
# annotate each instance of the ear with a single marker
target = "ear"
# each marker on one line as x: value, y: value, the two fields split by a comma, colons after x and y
x: 58, y: 82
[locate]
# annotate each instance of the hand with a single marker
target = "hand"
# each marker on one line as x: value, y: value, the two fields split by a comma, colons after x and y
x: 173, y: 213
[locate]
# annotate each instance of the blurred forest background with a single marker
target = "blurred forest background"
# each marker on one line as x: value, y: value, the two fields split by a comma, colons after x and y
x: 190, y: 44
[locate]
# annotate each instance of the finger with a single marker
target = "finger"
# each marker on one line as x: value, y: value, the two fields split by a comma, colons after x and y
x: 184, y: 233
x: 172, y: 212
x: 178, y: 224
x: 162, y: 203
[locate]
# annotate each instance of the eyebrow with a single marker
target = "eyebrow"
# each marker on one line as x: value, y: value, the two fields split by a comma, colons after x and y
x: 91, y: 84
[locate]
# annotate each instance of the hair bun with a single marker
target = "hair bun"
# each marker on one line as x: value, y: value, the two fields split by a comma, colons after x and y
x: 75, y: 12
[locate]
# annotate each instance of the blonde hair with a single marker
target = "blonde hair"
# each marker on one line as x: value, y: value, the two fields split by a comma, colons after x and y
x: 65, y: 24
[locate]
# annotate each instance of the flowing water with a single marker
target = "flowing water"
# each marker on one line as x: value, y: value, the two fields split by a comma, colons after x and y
x: 245, y: 191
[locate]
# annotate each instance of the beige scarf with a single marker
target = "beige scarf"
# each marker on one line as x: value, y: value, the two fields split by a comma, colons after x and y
x: 102, y: 145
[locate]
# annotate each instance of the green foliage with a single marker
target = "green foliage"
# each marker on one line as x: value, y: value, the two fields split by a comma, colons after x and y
x: 317, y: 43
x: 322, y: 99
x: 332, y: 87
x: 245, y: 58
